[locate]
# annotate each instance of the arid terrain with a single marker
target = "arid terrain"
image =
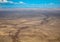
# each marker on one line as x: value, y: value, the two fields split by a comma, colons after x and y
x: 30, y: 26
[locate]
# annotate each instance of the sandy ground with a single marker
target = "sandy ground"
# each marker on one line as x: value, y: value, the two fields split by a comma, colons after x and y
x: 31, y: 28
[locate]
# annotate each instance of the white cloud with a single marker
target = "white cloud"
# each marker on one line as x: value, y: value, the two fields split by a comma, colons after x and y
x: 1, y: 1
x: 21, y: 2
x: 5, y: 1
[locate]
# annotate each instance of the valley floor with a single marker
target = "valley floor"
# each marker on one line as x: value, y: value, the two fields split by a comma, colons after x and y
x: 37, y: 29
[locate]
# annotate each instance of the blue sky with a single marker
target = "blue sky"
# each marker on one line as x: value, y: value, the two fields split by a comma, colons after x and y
x: 30, y: 4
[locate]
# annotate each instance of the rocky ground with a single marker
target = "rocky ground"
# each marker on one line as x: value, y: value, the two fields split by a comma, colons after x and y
x: 43, y: 28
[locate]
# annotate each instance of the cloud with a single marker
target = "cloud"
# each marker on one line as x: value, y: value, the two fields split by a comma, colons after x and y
x: 21, y: 2
x: 5, y: 1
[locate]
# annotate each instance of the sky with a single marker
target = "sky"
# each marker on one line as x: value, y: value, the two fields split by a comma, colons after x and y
x: 29, y: 3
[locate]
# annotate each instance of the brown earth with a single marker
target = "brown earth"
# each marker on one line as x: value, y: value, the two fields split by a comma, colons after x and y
x: 35, y: 29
